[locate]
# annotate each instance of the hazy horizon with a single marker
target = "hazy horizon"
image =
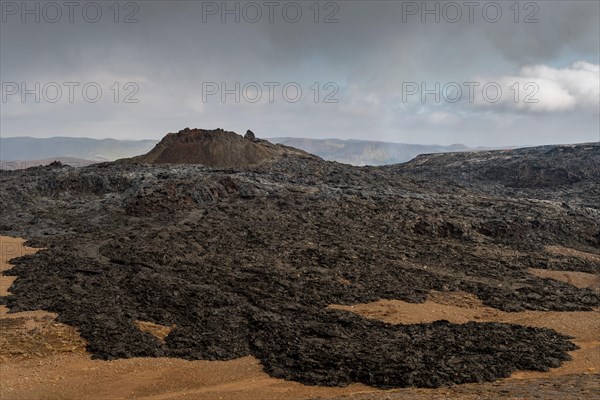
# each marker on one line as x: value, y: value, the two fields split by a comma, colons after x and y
x: 309, y: 138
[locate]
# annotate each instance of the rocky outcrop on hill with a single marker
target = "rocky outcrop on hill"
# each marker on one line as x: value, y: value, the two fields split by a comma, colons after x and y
x: 215, y: 148
x: 245, y: 260
x: 568, y: 173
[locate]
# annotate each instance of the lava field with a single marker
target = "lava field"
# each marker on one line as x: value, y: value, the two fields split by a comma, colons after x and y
x: 245, y: 260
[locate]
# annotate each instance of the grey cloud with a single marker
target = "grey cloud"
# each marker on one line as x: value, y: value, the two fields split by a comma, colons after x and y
x: 369, y: 54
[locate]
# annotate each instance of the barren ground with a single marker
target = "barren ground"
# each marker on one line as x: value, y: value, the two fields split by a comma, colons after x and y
x: 41, y: 358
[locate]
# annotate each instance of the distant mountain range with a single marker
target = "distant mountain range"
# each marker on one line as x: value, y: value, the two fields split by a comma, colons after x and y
x: 28, y: 148
x: 23, y: 164
x: 366, y: 152
x: 33, y: 151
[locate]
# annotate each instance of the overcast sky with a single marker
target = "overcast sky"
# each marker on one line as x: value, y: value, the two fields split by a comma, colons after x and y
x: 375, y: 70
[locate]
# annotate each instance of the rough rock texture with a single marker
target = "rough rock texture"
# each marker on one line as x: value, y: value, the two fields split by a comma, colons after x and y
x: 570, y: 173
x: 215, y: 148
x: 249, y: 135
x: 246, y: 261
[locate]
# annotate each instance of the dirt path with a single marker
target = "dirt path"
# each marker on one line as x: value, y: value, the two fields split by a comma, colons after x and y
x: 41, y: 358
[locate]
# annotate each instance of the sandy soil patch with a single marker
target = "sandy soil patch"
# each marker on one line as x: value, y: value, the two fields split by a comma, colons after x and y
x: 577, y: 279
x: 159, y: 331
x: 79, y: 377
x: 460, y: 307
x: 10, y: 248
x: 565, y: 251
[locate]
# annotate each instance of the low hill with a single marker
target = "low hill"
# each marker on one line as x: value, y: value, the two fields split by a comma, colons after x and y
x: 568, y: 173
x: 214, y: 148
